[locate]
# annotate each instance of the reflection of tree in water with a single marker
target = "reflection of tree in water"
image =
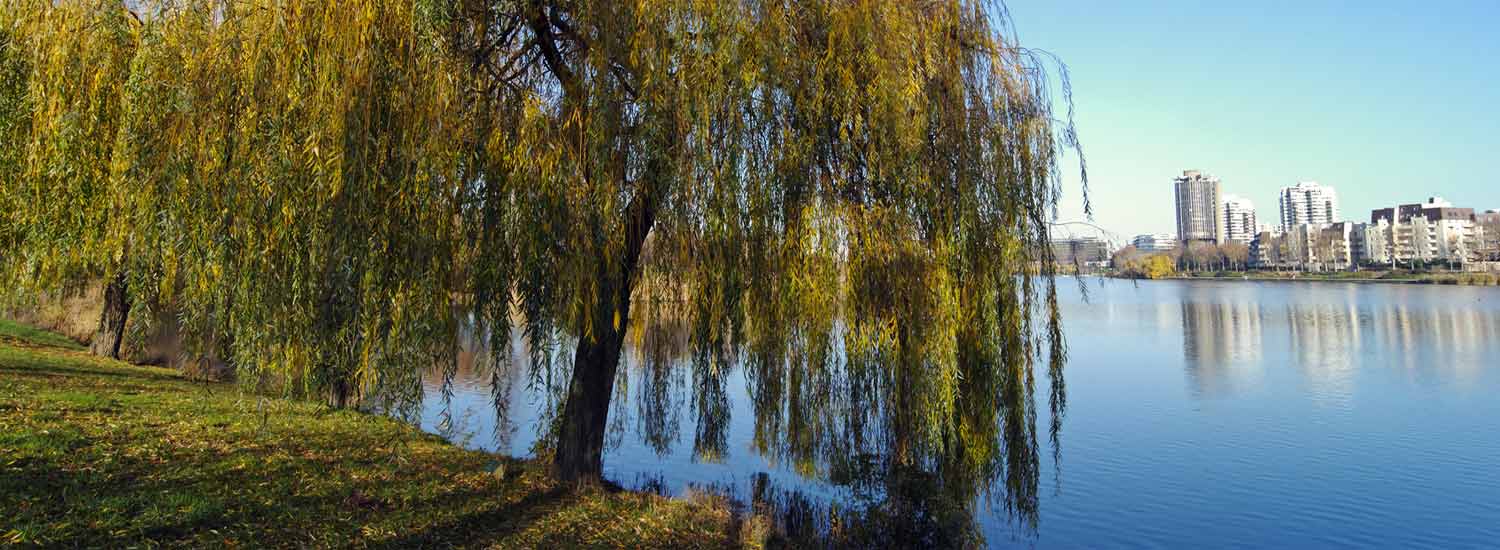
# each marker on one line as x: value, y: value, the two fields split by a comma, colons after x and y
x: 905, y: 510
x: 658, y: 379
x: 473, y: 368
x: 922, y: 439
x: 922, y: 435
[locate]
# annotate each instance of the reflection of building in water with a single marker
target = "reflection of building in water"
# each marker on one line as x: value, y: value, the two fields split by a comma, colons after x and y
x: 1225, y: 345
x: 1332, y: 341
x: 1325, y: 338
x: 1221, y: 345
x: 1424, y: 339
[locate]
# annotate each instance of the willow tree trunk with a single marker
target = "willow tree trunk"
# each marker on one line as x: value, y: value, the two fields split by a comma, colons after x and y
x: 339, y: 392
x: 585, y: 415
x: 111, y: 329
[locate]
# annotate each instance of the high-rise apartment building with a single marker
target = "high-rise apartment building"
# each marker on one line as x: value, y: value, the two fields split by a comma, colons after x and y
x: 1239, y: 220
x: 1198, y: 208
x: 1308, y: 203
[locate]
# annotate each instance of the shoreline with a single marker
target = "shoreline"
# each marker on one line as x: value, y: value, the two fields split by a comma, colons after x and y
x: 1444, y: 279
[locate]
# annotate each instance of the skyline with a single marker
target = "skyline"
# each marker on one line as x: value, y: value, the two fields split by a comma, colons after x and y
x: 1266, y: 98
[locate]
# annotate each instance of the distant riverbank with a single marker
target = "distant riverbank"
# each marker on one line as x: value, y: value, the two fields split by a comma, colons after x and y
x: 1386, y: 277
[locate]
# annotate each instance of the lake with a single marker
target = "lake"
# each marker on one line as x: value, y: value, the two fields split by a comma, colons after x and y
x: 1201, y: 414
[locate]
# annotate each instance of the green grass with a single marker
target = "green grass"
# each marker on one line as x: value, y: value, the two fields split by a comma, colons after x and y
x: 100, y: 453
x: 19, y: 332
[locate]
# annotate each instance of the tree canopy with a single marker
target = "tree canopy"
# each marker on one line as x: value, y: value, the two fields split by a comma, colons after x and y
x: 842, y: 196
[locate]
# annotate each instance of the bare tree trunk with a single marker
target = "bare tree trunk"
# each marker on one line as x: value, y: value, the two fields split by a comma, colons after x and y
x: 111, y: 331
x: 580, y: 433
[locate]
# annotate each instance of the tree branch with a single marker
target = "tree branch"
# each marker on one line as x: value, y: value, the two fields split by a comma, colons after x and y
x: 541, y: 27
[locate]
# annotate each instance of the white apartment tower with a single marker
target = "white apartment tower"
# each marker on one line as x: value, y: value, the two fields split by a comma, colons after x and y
x: 1198, y: 208
x: 1239, y: 220
x: 1308, y: 203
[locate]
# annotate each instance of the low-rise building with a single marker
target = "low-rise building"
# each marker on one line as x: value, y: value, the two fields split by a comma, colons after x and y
x: 1268, y: 251
x: 1158, y: 242
x: 1306, y: 246
x: 1434, y: 209
x: 1370, y: 243
x: 1081, y: 252
x: 1434, y: 231
x: 1489, y: 235
x: 1332, y: 247
x: 1297, y: 245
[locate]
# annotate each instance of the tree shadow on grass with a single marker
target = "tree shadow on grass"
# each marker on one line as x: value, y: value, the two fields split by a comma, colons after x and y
x: 485, y: 525
x: 57, y: 369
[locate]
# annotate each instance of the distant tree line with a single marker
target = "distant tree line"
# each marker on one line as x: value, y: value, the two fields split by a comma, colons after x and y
x: 1195, y: 257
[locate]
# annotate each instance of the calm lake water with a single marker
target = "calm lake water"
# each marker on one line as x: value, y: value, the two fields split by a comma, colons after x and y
x: 1201, y: 414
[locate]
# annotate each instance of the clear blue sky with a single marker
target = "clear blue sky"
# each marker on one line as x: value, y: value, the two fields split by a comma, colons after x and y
x: 1389, y: 102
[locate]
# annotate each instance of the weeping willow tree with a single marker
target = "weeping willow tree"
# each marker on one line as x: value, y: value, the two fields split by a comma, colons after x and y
x: 847, y: 198
x: 65, y: 69
x: 306, y: 156
x: 15, y: 120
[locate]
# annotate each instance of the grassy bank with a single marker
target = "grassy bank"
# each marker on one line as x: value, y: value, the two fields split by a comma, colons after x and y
x: 101, y: 453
